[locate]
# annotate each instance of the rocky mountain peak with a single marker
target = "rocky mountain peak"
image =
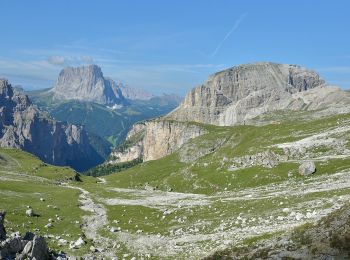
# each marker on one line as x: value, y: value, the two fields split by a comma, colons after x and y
x: 243, y: 92
x: 87, y: 83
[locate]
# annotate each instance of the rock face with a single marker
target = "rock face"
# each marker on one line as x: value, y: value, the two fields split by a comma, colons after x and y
x: 307, y: 168
x: 155, y: 139
x: 164, y: 137
x: 2, y: 228
x: 23, y: 126
x: 243, y: 92
x: 87, y: 83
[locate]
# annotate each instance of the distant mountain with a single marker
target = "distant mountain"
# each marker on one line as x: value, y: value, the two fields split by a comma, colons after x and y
x: 83, y: 96
x: 134, y: 93
x: 24, y: 126
x: 86, y: 83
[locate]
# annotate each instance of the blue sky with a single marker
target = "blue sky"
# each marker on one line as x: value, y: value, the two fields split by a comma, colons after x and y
x: 170, y: 46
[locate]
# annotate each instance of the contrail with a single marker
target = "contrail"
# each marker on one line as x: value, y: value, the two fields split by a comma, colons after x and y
x: 234, y: 28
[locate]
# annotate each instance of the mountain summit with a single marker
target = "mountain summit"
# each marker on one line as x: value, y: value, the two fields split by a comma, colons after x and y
x: 243, y: 92
x: 87, y: 83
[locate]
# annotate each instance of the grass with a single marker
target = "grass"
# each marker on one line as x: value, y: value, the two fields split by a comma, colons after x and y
x: 24, y: 181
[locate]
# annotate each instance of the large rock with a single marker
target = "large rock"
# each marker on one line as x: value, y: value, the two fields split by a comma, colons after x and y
x: 39, y: 248
x: 2, y: 227
x: 243, y: 92
x: 23, y: 126
x: 307, y: 168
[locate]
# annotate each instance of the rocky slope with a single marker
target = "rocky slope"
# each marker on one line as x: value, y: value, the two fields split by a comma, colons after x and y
x: 23, y: 126
x: 243, y: 92
x: 327, y: 239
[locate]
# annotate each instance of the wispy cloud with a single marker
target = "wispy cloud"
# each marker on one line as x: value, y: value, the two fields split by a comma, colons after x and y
x: 56, y: 60
x: 228, y: 34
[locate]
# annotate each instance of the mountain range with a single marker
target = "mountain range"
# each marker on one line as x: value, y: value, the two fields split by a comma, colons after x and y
x: 84, y: 96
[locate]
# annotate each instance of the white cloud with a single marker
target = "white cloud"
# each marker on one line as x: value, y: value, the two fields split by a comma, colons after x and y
x: 57, y: 60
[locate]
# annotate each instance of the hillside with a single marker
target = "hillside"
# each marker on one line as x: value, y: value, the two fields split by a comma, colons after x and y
x: 205, y: 198
x: 24, y: 126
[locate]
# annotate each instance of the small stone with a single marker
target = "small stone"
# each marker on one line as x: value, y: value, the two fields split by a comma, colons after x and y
x: 285, y: 210
x: 307, y: 168
x: 48, y: 225
x: 29, y: 213
x: 62, y: 242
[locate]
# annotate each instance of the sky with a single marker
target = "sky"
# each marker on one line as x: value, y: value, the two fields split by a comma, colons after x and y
x: 170, y: 46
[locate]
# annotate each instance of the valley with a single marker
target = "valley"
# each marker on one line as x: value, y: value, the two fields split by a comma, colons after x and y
x: 170, y: 209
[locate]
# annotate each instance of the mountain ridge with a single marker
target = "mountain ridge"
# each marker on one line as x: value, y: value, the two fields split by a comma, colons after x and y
x: 24, y: 126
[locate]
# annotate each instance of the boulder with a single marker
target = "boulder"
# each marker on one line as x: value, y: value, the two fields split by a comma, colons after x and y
x: 2, y: 228
x: 29, y: 213
x: 39, y: 249
x: 307, y: 168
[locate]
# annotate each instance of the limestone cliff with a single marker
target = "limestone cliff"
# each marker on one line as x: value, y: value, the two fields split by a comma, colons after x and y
x: 23, y: 126
x: 155, y: 139
x: 243, y: 92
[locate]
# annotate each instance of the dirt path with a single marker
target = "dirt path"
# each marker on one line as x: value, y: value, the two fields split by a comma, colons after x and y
x: 93, y: 222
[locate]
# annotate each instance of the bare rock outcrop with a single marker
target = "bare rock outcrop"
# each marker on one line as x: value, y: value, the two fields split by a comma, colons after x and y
x: 2, y: 228
x: 243, y: 92
x: 24, y: 126
x: 152, y: 140
x: 29, y: 246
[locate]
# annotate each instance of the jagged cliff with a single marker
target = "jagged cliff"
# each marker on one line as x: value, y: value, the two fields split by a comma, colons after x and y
x: 155, y: 139
x: 23, y: 126
x: 243, y: 92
